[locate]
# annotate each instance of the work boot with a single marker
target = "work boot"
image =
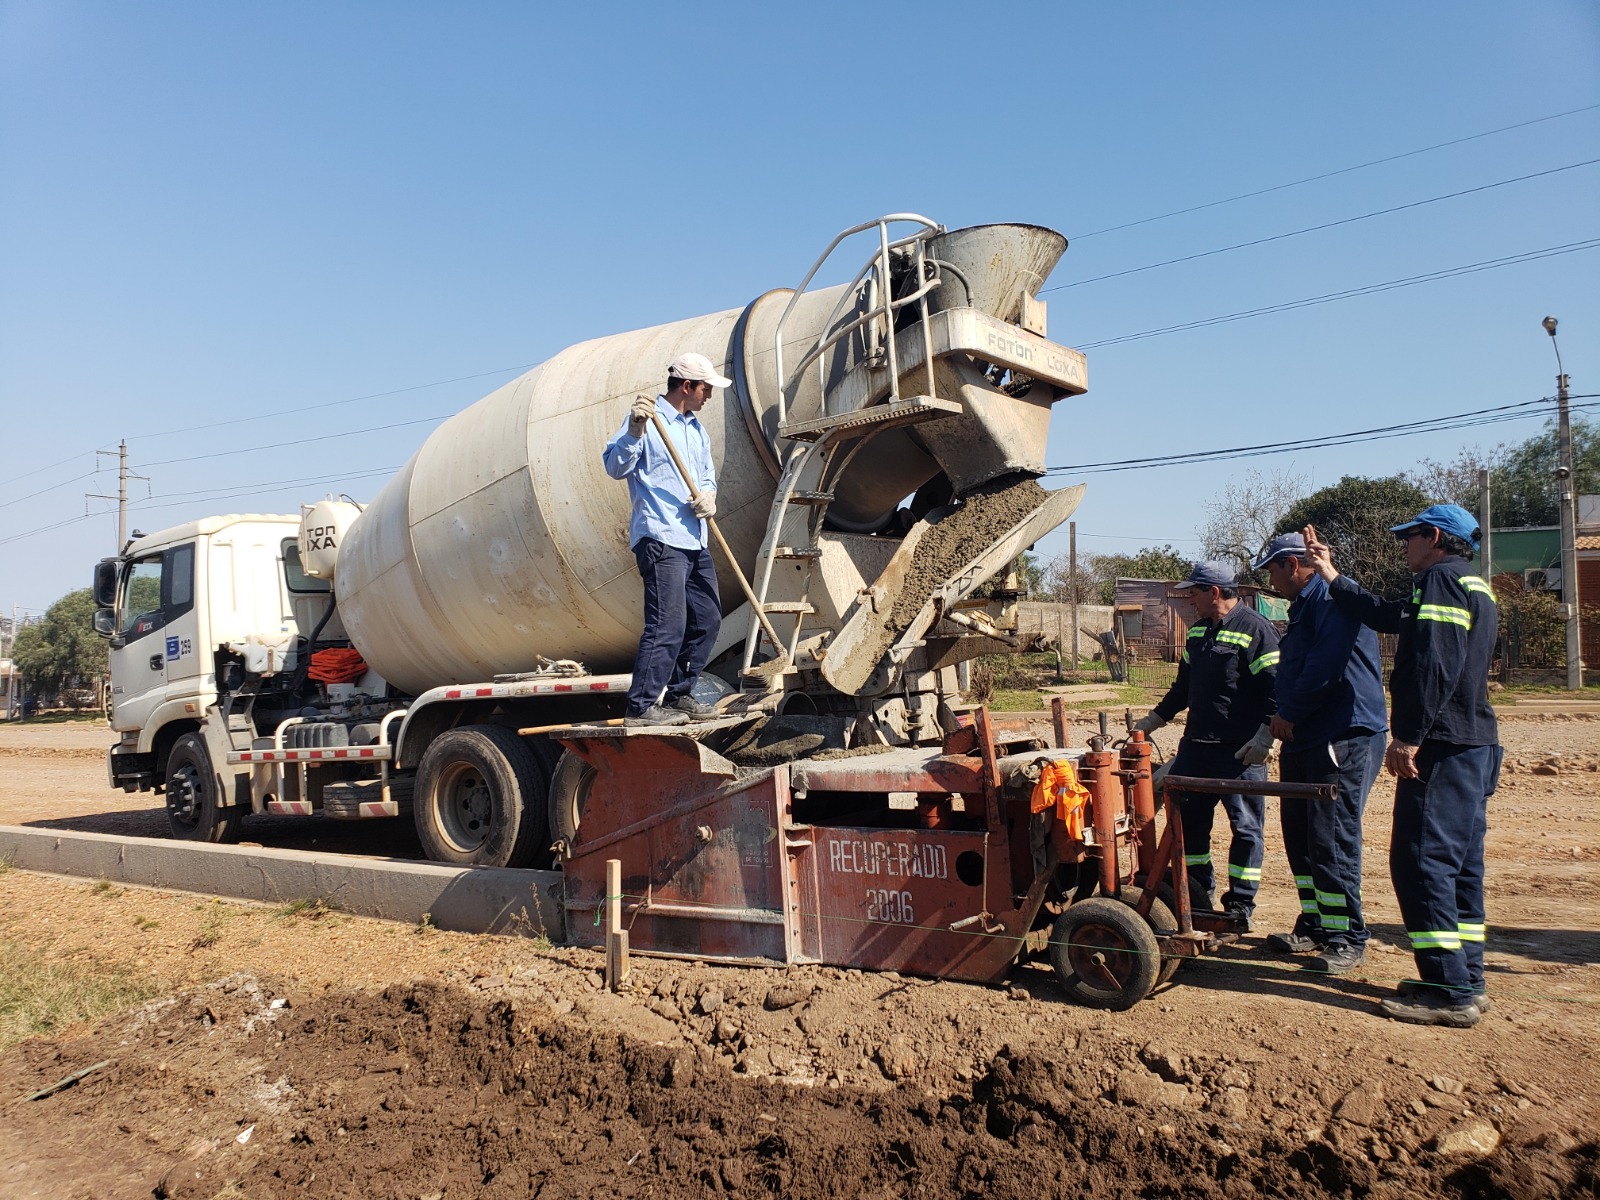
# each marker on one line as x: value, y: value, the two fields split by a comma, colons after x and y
x: 1415, y: 987
x: 691, y: 707
x: 1433, y: 1007
x: 1293, y: 943
x: 1242, y: 914
x: 656, y: 715
x: 1338, y: 957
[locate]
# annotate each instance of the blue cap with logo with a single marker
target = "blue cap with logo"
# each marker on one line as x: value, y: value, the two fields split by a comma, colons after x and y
x: 1215, y: 572
x: 1451, y: 518
x: 1281, y: 546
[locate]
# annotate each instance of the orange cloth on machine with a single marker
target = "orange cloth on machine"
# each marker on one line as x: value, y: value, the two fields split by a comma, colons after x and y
x: 337, y: 665
x: 1058, y: 787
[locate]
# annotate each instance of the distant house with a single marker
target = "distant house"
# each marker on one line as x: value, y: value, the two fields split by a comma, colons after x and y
x: 1152, y: 619
x: 1532, y: 557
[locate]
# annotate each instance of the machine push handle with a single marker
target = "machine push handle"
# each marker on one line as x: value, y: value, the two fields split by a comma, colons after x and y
x: 694, y: 494
x: 1226, y: 787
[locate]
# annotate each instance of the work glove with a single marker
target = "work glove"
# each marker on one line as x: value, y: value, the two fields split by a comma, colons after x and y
x: 1148, y: 723
x: 705, y: 504
x: 1160, y: 774
x: 1258, y: 749
x: 639, y: 415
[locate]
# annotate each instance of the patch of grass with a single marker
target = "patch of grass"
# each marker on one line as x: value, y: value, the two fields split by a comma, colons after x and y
x: 425, y: 926
x: 142, y: 922
x: 304, y: 907
x: 38, y: 996
x: 212, y: 926
x: 101, y: 887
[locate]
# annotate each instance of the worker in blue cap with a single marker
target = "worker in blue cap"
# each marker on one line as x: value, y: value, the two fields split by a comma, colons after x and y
x: 1331, y: 721
x: 1225, y: 680
x: 1445, y: 753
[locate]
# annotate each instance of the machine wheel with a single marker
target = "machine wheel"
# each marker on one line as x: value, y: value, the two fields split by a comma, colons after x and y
x: 480, y: 799
x: 1104, y: 954
x: 1162, y: 919
x: 569, y: 792
x: 193, y: 814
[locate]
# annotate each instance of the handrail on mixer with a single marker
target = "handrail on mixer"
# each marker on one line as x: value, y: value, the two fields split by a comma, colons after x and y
x: 878, y: 264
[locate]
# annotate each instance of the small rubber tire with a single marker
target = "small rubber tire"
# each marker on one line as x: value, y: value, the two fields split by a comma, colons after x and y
x: 569, y: 792
x: 1104, y: 954
x: 1162, y: 920
x: 193, y: 814
x: 481, y: 799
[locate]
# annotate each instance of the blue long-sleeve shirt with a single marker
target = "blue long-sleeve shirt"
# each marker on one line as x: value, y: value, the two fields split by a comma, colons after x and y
x: 1225, y: 678
x: 1447, y: 628
x: 1329, y: 685
x: 660, y: 497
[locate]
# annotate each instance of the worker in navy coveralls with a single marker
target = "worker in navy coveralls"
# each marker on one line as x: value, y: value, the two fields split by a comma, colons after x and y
x: 682, y: 611
x: 1225, y: 680
x: 1331, y: 722
x: 1445, y: 754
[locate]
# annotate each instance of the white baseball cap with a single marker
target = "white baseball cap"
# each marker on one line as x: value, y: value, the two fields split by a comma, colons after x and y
x: 697, y: 367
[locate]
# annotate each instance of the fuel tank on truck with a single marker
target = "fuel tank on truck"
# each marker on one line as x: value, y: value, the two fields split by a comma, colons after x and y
x: 503, y: 540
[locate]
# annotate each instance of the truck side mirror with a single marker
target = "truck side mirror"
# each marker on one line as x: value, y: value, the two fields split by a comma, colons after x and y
x: 105, y: 583
x: 105, y: 622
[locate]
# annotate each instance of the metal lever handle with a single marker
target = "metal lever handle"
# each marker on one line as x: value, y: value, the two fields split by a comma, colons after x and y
x: 155, y: 662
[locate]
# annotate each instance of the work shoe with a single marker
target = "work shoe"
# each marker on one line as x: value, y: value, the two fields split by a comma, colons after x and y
x: 656, y: 715
x: 1244, y: 916
x: 1415, y: 987
x: 1338, y: 957
x: 690, y: 707
x: 1292, y: 943
x: 1431, y: 1009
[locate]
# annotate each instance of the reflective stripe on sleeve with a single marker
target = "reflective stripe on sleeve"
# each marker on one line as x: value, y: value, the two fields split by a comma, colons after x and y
x: 1269, y: 659
x: 1234, y: 638
x: 1446, y: 614
x: 1474, y: 583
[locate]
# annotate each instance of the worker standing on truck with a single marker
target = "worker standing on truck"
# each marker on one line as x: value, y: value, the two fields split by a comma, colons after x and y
x: 1226, y: 680
x: 1445, y: 754
x: 682, y: 611
x: 1331, y: 721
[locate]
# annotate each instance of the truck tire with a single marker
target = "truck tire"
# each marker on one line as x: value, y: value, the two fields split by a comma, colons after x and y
x: 193, y: 814
x: 481, y: 799
x: 569, y: 792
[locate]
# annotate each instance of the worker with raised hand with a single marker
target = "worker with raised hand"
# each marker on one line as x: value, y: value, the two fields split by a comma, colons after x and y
x: 1331, y: 722
x: 1445, y: 753
x: 1226, y: 678
x: 682, y: 610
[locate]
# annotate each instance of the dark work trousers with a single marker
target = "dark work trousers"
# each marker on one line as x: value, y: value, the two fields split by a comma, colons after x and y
x: 682, y: 614
x: 1436, y: 860
x: 1323, y: 837
x: 1247, y: 814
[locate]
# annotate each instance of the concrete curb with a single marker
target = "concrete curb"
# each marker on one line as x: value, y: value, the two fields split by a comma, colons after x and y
x: 466, y: 899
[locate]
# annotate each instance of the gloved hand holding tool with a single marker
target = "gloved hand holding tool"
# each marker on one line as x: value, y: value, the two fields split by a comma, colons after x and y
x: 1148, y: 724
x: 639, y: 415
x: 704, y: 505
x: 1258, y: 749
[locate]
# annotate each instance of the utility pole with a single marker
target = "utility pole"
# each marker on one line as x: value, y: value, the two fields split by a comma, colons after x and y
x: 1485, y: 521
x: 1566, y: 499
x: 123, y: 475
x: 1072, y: 576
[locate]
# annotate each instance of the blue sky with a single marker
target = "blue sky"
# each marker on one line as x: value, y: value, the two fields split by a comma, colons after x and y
x: 210, y: 212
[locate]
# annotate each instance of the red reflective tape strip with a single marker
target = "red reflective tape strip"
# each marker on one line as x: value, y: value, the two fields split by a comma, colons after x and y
x: 563, y: 687
x: 453, y: 694
x: 488, y: 691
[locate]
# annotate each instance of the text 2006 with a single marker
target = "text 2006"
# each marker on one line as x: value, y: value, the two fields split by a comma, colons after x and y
x: 888, y: 905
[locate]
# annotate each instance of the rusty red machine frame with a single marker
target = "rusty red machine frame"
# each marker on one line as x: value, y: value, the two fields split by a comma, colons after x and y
x: 927, y: 861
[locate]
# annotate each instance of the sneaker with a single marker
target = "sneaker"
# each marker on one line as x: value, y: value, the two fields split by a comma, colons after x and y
x: 1338, y: 957
x: 690, y: 707
x: 1292, y: 943
x: 656, y: 715
x: 1431, y: 1009
x: 1242, y: 916
x: 1415, y: 987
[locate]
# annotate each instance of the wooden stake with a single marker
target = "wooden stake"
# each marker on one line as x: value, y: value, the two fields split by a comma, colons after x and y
x: 616, y: 935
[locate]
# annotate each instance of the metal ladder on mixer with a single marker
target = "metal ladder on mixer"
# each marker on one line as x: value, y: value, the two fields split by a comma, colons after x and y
x: 822, y: 448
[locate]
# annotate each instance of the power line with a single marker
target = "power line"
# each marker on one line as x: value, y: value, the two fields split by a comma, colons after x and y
x: 1180, y: 212
x: 53, y: 487
x: 1350, y: 293
x: 326, y: 437
x: 1278, y: 237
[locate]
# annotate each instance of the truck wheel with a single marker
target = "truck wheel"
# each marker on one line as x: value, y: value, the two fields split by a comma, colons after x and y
x: 480, y: 799
x: 1162, y: 920
x: 193, y: 814
x: 569, y: 792
x: 1104, y: 954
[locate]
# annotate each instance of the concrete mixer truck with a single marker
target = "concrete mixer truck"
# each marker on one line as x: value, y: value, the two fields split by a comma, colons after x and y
x: 434, y: 650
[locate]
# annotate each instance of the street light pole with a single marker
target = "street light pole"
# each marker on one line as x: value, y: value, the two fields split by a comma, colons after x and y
x: 1566, y: 499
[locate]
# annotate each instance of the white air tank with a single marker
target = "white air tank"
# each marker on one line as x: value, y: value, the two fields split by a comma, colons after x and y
x: 322, y: 529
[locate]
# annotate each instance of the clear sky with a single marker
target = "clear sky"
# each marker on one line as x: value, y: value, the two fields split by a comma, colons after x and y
x: 312, y: 215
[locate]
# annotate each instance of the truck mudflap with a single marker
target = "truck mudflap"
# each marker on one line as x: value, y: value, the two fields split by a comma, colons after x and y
x: 716, y: 864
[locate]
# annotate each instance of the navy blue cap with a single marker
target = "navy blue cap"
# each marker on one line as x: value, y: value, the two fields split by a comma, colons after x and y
x: 1281, y: 546
x: 1216, y: 572
x: 1451, y: 518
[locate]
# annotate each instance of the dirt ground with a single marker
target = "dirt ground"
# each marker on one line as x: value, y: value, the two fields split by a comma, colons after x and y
x: 316, y: 1053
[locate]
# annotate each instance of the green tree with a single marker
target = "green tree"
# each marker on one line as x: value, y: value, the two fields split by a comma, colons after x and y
x: 1153, y: 562
x: 1354, y: 517
x: 62, y: 652
x: 1523, y: 479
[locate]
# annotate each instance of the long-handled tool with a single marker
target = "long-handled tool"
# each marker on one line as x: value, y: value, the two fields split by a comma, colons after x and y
x: 744, y: 584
